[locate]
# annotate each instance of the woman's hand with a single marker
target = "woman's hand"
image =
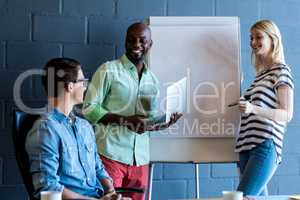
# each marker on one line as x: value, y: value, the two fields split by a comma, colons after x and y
x: 245, y: 106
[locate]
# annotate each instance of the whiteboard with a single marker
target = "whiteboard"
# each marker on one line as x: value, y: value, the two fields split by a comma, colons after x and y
x: 206, y: 50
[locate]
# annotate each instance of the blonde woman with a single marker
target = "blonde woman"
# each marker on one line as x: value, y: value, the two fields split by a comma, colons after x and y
x: 266, y: 108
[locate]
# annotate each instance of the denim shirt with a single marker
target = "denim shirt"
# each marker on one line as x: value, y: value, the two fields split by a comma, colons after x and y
x: 63, y: 154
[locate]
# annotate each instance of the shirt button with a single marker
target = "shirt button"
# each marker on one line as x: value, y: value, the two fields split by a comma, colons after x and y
x: 83, y: 164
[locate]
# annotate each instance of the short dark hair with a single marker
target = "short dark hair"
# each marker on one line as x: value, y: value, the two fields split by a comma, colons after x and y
x: 136, y: 25
x: 58, y: 71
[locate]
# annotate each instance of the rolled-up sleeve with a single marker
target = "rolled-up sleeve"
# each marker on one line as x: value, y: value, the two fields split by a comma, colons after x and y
x: 93, y: 109
x: 42, y: 146
x: 100, y: 170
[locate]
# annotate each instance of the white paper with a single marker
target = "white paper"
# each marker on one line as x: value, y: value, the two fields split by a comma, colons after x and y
x: 206, y: 50
x: 176, y: 98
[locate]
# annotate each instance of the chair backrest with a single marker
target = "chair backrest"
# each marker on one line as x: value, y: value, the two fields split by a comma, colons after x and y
x: 22, y: 123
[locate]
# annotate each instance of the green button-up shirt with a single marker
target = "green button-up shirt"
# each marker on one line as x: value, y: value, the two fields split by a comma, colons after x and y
x: 116, y: 88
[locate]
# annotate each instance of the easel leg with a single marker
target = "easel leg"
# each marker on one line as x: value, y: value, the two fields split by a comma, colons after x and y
x: 197, y: 181
x: 151, y: 169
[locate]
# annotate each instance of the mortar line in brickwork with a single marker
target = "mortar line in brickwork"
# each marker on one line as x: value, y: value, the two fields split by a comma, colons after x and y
x: 4, y: 63
x: 31, y: 27
x: 61, y: 46
x: 115, y: 11
x: 2, y: 125
x: 214, y: 7
x: 60, y: 9
x: 86, y: 30
x: 167, y: 8
x: 259, y: 8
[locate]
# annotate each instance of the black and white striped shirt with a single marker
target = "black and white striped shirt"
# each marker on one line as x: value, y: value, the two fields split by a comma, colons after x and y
x: 262, y: 92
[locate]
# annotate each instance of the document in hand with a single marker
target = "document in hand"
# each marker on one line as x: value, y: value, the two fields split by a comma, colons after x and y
x: 294, y: 197
x: 176, y: 98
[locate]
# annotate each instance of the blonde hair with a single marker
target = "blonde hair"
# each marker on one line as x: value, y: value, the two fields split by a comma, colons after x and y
x: 271, y: 29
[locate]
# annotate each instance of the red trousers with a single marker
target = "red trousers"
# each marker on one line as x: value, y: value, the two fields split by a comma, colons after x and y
x: 127, y: 176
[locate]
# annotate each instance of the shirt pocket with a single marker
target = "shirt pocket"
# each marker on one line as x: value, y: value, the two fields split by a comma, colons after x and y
x: 122, y: 90
x: 70, y: 160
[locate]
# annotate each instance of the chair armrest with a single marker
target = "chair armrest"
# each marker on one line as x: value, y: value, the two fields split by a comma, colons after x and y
x: 129, y: 190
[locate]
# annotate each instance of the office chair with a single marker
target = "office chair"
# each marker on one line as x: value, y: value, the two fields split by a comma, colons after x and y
x: 22, y: 123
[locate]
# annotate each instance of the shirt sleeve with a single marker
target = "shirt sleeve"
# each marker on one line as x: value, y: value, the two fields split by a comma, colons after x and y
x: 284, y: 78
x: 99, y: 167
x: 93, y: 109
x: 100, y: 170
x: 42, y: 146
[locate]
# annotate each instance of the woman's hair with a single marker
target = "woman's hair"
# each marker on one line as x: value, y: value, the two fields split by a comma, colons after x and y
x: 277, y: 54
x: 59, y: 72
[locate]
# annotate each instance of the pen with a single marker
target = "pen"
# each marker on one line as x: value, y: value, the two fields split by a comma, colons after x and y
x: 233, y: 104
x: 237, y: 102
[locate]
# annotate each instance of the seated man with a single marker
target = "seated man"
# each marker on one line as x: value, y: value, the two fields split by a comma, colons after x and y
x: 61, y: 146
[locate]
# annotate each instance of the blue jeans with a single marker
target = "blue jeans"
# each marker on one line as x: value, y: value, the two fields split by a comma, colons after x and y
x: 257, y: 167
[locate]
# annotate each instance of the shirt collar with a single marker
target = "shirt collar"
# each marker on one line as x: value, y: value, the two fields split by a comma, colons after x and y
x: 61, y: 117
x: 129, y: 65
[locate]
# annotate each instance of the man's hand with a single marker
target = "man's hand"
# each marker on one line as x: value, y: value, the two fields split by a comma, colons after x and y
x: 136, y: 123
x: 173, y: 119
x: 108, y: 186
x: 114, y: 196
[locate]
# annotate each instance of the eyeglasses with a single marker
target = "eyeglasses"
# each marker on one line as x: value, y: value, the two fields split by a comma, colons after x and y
x: 85, y: 81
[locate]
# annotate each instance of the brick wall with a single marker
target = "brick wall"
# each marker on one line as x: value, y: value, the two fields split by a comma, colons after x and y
x: 92, y: 31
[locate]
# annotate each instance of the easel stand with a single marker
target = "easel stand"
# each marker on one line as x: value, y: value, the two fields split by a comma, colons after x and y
x: 150, y: 182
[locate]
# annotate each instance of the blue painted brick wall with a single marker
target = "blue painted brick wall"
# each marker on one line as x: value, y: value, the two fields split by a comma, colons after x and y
x: 31, y: 6
x: 11, y: 174
x: 59, y: 29
x: 166, y: 189
x: 224, y: 170
x: 6, y: 148
x: 21, y: 55
x: 2, y: 114
x: 247, y: 10
x: 90, y: 56
x: 93, y: 31
x: 2, y: 55
x: 192, y: 8
x: 7, y: 78
x: 83, y: 8
x: 16, y: 191
x: 1, y: 171
x: 14, y: 28
x: 140, y: 9
x: 104, y: 30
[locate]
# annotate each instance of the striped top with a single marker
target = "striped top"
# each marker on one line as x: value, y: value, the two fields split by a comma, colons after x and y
x: 262, y: 92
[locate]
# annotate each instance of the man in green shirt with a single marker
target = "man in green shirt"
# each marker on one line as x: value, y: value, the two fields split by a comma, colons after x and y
x: 122, y: 101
